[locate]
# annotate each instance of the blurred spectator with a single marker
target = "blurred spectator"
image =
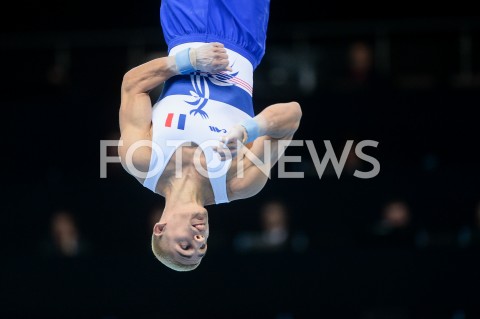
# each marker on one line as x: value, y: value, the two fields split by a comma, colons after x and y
x: 394, y: 227
x: 58, y: 74
x: 360, y: 61
x: 65, y: 239
x: 360, y: 66
x: 275, y: 233
x: 469, y: 236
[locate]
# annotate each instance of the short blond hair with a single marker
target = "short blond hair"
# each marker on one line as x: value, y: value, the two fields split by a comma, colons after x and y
x: 164, y: 257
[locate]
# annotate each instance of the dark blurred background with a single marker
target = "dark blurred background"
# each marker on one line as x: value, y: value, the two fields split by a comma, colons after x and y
x: 405, y: 244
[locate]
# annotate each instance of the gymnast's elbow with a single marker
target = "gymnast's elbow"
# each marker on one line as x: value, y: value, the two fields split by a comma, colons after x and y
x: 131, y: 84
x: 295, y: 115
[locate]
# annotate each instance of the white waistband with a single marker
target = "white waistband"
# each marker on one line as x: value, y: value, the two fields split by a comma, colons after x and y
x: 242, y: 75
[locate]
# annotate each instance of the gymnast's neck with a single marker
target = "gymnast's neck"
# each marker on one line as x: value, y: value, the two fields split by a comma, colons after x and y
x: 190, y: 188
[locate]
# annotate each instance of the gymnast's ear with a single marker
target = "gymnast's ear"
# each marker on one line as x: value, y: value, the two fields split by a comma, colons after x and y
x: 158, y: 229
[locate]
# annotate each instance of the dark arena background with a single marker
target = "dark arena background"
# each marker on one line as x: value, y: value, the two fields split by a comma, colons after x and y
x: 404, y: 244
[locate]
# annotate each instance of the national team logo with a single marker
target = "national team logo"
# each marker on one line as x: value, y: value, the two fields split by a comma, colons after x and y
x: 217, y: 130
x: 201, y: 95
x: 176, y: 120
x: 201, y: 91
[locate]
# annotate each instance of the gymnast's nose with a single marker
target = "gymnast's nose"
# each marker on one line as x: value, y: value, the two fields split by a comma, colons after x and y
x: 199, y: 238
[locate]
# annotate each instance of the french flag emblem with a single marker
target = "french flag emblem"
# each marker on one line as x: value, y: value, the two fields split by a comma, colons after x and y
x: 176, y: 119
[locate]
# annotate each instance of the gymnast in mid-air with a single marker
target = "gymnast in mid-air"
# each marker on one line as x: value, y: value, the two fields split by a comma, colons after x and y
x: 188, y: 146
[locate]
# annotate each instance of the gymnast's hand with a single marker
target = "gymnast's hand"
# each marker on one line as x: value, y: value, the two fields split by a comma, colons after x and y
x: 232, y: 142
x: 211, y: 57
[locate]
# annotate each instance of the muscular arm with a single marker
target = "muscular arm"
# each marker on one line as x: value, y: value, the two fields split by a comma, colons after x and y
x: 279, y: 121
x: 136, y: 106
x: 276, y: 122
x: 145, y: 77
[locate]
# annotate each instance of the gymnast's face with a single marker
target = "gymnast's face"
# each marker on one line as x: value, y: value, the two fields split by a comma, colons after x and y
x: 185, y: 233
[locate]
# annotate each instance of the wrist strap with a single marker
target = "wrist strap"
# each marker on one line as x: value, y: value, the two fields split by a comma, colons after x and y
x: 182, y: 59
x: 252, y: 128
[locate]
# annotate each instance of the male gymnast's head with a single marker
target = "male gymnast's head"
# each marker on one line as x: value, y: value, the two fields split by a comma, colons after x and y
x: 179, y: 238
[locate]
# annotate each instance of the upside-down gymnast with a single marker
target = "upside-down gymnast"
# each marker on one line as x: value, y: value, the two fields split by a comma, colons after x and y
x: 214, y: 47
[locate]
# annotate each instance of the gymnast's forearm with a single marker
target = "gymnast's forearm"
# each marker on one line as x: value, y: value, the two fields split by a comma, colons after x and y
x: 145, y: 77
